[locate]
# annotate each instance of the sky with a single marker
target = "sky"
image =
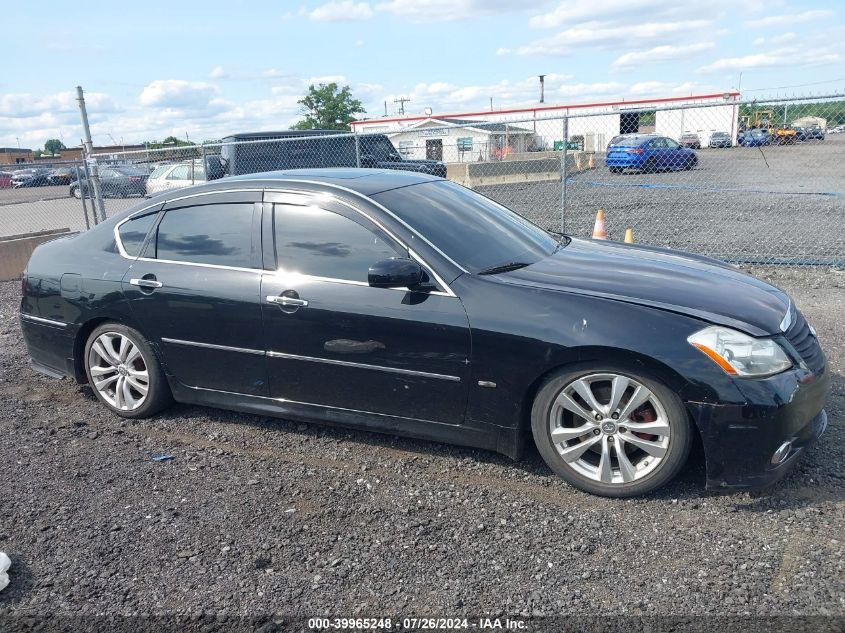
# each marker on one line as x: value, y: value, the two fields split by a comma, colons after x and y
x: 203, y: 70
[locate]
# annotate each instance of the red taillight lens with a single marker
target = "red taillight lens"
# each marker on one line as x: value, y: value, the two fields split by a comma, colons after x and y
x: 636, y: 150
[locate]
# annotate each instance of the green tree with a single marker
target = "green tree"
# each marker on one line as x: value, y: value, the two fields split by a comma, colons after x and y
x: 53, y: 146
x: 326, y: 107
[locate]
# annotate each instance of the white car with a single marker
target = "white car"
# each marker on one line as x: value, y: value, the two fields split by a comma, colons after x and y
x: 166, y: 177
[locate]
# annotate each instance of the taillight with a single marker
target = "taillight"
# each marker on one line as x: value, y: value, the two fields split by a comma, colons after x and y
x: 636, y: 150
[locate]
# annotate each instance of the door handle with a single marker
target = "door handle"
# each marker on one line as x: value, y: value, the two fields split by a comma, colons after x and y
x: 146, y: 283
x: 287, y: 301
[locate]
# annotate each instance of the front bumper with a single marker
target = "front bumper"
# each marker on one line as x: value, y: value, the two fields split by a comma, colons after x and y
x: 740, y: 440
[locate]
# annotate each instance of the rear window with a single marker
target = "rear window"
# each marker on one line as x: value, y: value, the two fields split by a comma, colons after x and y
x: 159, y: 171
x: 130, y: 171
x: 629, y: 142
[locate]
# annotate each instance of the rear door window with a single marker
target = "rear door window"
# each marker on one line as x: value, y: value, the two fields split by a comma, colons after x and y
x: 133, y: 232
x: 219, y: 234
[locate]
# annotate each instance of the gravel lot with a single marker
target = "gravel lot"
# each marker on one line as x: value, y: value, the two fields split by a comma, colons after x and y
x: 256, y: 516
x: 781, y: 203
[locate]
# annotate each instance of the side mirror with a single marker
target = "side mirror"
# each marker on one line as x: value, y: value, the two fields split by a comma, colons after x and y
x: 396, y: 272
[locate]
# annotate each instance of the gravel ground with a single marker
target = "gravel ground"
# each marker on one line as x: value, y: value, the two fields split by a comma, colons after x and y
x: 739, y: 203
x: 256, y: 516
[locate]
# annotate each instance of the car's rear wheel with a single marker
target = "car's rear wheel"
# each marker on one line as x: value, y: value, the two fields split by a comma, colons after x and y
x: 615, y: 170
x: 650, y: 166
x: 609, y: 431
x: 76, y: 192
x: 124, y: 372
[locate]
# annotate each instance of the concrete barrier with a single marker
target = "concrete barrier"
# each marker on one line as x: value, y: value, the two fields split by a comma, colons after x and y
x: 517, y: 168
x: 16, y: 249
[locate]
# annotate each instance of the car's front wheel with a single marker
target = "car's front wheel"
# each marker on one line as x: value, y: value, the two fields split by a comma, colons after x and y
x: 124, y: 372
x: 76, y: 192
x: 609, y: 431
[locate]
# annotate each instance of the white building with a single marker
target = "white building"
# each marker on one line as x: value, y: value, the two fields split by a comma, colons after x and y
x: 590, y: 126
x: 461, y: 140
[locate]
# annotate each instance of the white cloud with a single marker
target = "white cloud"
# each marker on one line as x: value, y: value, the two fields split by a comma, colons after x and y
x: 575, y: 11
x: 784, y: 38
x: 593, y: 34
x: 342, y: 11
x: 218, y: 72
x: 658, y: 54
x: 790, y: 57
x: 790, y: 19
x: 340, y: 80
x: 448, y: 10
x: 177, y: 93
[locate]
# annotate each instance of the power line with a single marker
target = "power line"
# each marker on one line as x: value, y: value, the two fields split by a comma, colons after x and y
x: 815, y: 83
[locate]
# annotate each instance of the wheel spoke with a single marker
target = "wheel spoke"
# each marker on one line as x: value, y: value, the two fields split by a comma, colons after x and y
x: 652, y: 448
x: 128, y: 398
x: 105, y: 382
x: 638, y: 399
x: 137, y: 385
x: 118, y: 392
x: 565, y: 401
x: 133, y: 354
x: 102, y: 371
x: 583, y: 389
x: 626, y: 468
x: 101, y: 351
x: 656, y: 427
x: 572, y: 453
x: 564, y: 434
x: 125, y: 346
x: 619, y: 386
x: 605, y: 467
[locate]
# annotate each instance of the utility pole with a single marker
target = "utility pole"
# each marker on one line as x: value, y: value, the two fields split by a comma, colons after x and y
x: 542, y: 88
x: 89, y: 150
x: 401, y: 101
x: 385, y: 107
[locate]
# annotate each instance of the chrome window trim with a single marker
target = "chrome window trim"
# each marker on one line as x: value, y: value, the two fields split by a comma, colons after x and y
x: 346, y: 363
x: 448, y: 291
x: 223, y: 348
x: 348, y: 282
x: 37, y: 319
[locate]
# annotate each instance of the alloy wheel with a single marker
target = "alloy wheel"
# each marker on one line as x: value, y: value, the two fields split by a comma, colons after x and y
x: 609, y: 428
x: 119, y: 371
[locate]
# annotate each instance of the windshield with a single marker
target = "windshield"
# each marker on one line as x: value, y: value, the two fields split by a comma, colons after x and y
x: 474, y: 231
x: 379, y: 147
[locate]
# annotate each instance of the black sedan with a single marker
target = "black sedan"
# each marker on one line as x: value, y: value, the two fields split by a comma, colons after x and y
x: 407, y: 304
x: 116, y: 182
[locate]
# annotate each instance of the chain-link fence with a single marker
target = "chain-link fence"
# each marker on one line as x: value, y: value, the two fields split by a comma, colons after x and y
x: 738, y: 180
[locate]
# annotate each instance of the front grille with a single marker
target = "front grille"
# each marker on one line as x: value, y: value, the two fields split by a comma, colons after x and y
x: 805, y: 343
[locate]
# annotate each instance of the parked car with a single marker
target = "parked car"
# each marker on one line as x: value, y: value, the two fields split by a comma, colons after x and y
x: 294, y: 149
x: 814, y: 133
x: 649, y: 153
x: 720, y: 139
x: 175, y: 176
x: 754, y: 138
x: 62, y: 176
x: 405, y: 303
x: 5, y: 179
x: 690, y: 140
x: 31, y: 177
x: 116, y: 182
x: 800, y: 133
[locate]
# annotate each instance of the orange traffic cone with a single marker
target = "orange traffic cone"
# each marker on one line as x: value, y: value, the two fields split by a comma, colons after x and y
x: 592, y: 163
x: 578, y: 162
x: 599, y: 230
x: 629, y: 236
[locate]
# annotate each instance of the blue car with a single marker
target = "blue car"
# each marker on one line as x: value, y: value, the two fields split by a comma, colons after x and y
x: 754, y: 138
x: 648, y: 153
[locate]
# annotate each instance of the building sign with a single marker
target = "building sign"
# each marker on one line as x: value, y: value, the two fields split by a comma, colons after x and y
x: 435, y: 132
x: 465, y: 144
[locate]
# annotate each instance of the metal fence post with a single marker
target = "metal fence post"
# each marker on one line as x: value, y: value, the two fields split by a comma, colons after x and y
x: 563, y: 156
x: 87, y: 191
x: 89, y: 150
x: 82, y: 198
x: 357, y: 150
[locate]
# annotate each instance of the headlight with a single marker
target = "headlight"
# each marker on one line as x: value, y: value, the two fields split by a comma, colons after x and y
x: 739, y: 354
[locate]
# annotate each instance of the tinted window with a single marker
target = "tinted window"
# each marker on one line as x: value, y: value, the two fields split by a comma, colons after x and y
x: 473, y: 230
x: 631, y: 141
x: 130, y: 171
x: 316, y: 242
x: 209, y: 234
x: 668, y: 142
x: 133, y: 232
x: 379, y: 147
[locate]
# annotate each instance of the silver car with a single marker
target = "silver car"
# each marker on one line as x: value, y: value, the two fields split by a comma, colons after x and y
x: 175, y: 176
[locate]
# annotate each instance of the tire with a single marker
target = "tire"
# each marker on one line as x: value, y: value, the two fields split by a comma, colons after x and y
x: 76, y: 192
x: 689, y: 163
x: 668, y: 446
x: 116, y: 372
x: 615, y: 170
x: 650, y: 166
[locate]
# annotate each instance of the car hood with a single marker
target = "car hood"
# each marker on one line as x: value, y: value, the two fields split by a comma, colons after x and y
x: 689, y: 284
